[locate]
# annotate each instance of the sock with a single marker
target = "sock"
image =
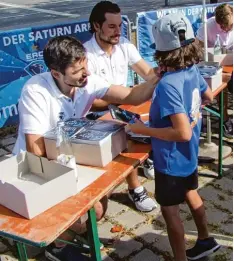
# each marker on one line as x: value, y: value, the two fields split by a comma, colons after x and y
x: 139, y: 189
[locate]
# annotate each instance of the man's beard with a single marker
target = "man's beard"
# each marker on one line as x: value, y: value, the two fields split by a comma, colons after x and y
x: 110, y: 40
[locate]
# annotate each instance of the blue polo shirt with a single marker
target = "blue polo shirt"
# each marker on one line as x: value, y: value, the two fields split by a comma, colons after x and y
x: 177, y: 92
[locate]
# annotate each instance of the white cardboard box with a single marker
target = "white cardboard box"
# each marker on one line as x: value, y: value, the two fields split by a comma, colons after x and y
x: 212, y: 73
x: 92, y: 152
x: 222, y: 59
x: 214, y: 81
x: 29, y: 184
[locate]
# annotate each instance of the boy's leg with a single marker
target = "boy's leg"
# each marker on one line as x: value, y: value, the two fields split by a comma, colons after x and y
x: 205, y: 245
x: 138, y: 193
x: 170, y: 193
x: 175, y: 230
x: 197, y: 209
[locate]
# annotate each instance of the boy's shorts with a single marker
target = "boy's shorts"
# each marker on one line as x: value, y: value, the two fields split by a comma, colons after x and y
x: 171, y: 190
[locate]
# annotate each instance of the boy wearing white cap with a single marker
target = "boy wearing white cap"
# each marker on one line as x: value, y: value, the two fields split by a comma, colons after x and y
x: 175, y: 123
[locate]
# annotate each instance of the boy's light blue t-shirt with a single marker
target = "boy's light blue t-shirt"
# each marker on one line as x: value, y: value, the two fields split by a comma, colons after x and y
x: 177, y: 92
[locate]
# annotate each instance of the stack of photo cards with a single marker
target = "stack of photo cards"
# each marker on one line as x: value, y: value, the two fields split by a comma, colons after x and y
x: 90, y: 131
x: 129, y: 117
x: 87, y: 131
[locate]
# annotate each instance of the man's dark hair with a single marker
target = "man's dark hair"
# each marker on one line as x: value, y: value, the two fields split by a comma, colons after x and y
x: 98, y: 13
x: 182, y: 57
x: 62, y: 51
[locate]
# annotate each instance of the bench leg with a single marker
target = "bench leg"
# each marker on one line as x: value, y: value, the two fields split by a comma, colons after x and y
x: 221, y: 118
x: 22, y: 252
x: 93, y: 236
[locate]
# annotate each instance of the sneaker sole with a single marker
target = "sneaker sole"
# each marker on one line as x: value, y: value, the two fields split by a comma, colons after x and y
x: 205, y: 253
x: 142, y: 210
x: 51, y: 257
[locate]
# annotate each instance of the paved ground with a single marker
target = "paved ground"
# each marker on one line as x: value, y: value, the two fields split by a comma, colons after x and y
x: 27, y: 13
x: 144, y: 236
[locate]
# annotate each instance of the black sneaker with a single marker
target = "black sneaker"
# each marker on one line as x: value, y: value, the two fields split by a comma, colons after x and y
x: 228, y: 128
x: 202, y: 248
x: 66, y: 253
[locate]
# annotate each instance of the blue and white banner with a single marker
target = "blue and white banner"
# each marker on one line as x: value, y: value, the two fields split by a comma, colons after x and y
x: 145, y: 20
x: 21, y: 56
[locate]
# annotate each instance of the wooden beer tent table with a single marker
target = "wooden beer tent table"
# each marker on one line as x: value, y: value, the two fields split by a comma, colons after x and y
x: 46, y: 227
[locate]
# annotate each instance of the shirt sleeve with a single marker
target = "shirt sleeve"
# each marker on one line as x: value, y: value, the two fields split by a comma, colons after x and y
x: 33, y: 112
x: 170, y: 101
x: 133, y: 54
x: 100, y: 86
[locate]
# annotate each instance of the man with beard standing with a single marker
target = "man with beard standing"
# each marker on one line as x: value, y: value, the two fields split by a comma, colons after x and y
x: 109, y: 56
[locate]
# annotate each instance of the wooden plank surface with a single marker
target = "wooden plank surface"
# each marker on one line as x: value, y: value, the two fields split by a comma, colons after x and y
x: 228, y: 69
x: 45, y: 228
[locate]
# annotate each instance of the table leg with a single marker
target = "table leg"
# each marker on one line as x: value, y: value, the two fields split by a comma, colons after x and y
x: 93, y: 236
x: 225, y: 104
x: 22, y: 252
x: 221, y: 110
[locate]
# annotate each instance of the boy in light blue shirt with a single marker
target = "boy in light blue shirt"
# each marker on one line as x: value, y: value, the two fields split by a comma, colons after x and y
x: 175, y: 123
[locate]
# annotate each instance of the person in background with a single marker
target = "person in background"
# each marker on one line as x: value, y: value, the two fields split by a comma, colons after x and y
x: 109, y: 56
x: 228, y: 125
x: 175, y: 123
x: 68, y: 89
x: 222, y: 24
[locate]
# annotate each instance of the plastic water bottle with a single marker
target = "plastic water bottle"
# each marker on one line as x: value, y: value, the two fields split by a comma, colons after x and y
x: 217, y: 46
x: 65, y: 154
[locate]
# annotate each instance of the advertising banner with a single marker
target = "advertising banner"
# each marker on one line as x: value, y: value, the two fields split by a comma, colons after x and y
x: 21, y: 57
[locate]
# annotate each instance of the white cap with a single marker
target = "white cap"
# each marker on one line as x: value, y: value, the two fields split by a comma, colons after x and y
x: 165, y: 32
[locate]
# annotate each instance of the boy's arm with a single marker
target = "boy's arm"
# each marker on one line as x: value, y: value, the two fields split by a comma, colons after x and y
x: 180, y: 131
x: 207, y: 96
